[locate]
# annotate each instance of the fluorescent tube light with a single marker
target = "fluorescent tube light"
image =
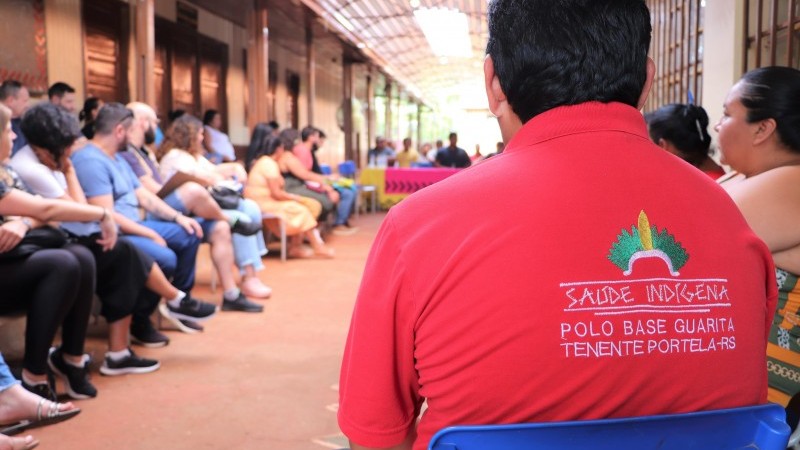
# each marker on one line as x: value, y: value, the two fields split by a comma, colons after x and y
x: 447, y: 31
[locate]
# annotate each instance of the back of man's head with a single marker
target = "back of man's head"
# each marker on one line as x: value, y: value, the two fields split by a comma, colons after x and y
x: 109, y: 116
x: 550, y: 53
x: 9, y: 88
x: 58, y: 89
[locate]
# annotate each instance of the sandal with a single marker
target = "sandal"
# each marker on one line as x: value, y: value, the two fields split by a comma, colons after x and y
x: 53, y: 415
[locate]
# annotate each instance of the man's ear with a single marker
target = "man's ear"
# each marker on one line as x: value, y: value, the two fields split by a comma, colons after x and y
x: 765, y: 130
x: 648, y: 83
x: 494, y: 92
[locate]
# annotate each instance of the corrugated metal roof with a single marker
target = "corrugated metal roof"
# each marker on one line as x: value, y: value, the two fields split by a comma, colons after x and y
x: 388, y: 30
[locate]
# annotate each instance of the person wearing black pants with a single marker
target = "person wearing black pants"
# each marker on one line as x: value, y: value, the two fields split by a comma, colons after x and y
x: 55, y: 287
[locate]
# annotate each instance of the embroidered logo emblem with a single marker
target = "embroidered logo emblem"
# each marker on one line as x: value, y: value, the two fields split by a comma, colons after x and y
x: 645, y: 241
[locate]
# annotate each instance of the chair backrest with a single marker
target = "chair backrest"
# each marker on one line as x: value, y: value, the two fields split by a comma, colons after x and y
x: 760, y: 427
x: 347, y: 168
x: 325, y: 168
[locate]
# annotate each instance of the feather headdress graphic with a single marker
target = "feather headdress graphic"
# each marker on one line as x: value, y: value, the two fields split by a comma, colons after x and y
x: 645, y: 241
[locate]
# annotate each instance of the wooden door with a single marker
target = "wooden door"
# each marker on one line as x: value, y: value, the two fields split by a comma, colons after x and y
x: 106, y: 28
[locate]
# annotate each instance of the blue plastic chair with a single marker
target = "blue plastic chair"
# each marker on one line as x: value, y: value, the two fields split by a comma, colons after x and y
x: 347, y: 169
x: 326, y: 169
x: 760, y: 427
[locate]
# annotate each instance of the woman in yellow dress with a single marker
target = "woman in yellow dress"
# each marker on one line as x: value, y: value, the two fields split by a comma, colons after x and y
x: 265, y: 186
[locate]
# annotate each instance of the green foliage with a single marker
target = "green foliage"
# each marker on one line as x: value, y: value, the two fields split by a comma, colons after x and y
x: 627, y: 244
x: 667, y: 244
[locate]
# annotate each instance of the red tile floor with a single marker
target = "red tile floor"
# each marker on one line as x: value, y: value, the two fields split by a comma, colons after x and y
x: 250, y: 381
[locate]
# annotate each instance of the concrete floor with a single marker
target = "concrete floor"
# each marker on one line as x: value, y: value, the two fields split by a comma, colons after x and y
x: 250, y: 381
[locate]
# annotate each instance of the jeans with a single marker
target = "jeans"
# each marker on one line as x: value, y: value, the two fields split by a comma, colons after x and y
x: 247, y: 250
x: 347, y: 197
x: 177, y: 261
x: 6, y: 379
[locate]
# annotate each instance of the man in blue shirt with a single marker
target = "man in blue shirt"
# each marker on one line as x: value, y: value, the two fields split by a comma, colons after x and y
x: 172, y: 241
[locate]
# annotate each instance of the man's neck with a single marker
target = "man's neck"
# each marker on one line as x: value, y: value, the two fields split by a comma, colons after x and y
x: 105, y: 145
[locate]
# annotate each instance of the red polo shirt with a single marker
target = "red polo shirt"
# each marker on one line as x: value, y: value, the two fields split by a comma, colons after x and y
x: 584, y: 273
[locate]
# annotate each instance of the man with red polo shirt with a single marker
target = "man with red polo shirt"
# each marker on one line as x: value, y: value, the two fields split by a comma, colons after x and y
x: 581, y: 274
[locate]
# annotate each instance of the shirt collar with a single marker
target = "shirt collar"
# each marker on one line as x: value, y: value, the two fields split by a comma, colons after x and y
x: 582, y: 118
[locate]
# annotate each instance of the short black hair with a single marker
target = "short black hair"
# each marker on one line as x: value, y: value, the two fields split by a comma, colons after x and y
x: 175, y: 114
x: 289, y: 138
x: 109, y: 116
x: 452, y: 135
x: 553, y: 53
x: 307, y: 132
x: 273, y: 124
x: 51, y: 128
x: 685, y: 127
x: 58, y: 89
x: 774, y: 93
x: 209, y: 116
x: 9, y: 88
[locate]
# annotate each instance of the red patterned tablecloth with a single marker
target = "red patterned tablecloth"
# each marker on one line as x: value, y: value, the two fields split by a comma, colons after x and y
x: 408, y: 181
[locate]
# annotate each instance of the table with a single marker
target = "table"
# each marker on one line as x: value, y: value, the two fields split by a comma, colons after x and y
x: 393, y: 184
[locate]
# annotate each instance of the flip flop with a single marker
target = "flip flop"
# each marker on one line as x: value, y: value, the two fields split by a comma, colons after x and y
x: 53, y: 416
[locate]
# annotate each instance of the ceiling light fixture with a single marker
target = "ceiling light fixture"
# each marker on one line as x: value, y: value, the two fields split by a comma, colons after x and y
x: 447, y: 31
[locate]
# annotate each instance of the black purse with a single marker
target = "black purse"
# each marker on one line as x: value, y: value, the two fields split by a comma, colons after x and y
x: 36, y: 239
x: 225, y: 197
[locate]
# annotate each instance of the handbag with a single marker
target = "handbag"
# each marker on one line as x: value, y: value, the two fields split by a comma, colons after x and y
x: 36, y: 239
x: 225, y: 197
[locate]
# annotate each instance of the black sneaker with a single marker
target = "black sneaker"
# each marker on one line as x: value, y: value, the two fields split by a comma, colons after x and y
x: 76, y: 379
x: 246, y: 228
x: 241, y: 304
x: 146, y: 335
x: 192, y: 309
x: 129, y: 364
x: 187, y: 326
x: 44, y: 390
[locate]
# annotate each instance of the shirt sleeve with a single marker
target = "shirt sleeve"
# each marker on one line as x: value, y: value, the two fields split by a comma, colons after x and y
x: 379, y: 387
x: 38, y: 178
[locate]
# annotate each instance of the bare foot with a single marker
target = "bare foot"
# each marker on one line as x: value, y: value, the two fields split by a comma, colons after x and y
x: 17, y: 403
x: 253, y: 287
x: 323, y: 251
x: 21, y: 443
x: 300, y: 251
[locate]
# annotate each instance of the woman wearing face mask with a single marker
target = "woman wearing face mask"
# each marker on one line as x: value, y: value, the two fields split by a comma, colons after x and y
x: 759, y: 137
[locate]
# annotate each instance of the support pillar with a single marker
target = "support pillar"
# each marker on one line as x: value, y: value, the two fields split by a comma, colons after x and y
x: 419, y: 125
x: 347, y: 109
x: 388, y: 112
x: 145, y: 52
x: 370, y: 107
x: 311, y: 68
x: 257, y: 63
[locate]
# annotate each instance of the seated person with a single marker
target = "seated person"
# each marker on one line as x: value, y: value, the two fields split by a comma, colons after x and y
x: 683, y: 131
x: 534, y: 331
x: 325, y: 195
x: 183, y: 152
x: 759, y: 140
x: 124, y: 273
x: 453, y: 155
x: 381, y: 155
x: 345, y: 187
x: 54, y: 285
x: 88, y: 115
x: 172, y: 241
x: 21, y: 410
x: 265, y: 187
x: 217, y: 144
x: 192, y: 198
